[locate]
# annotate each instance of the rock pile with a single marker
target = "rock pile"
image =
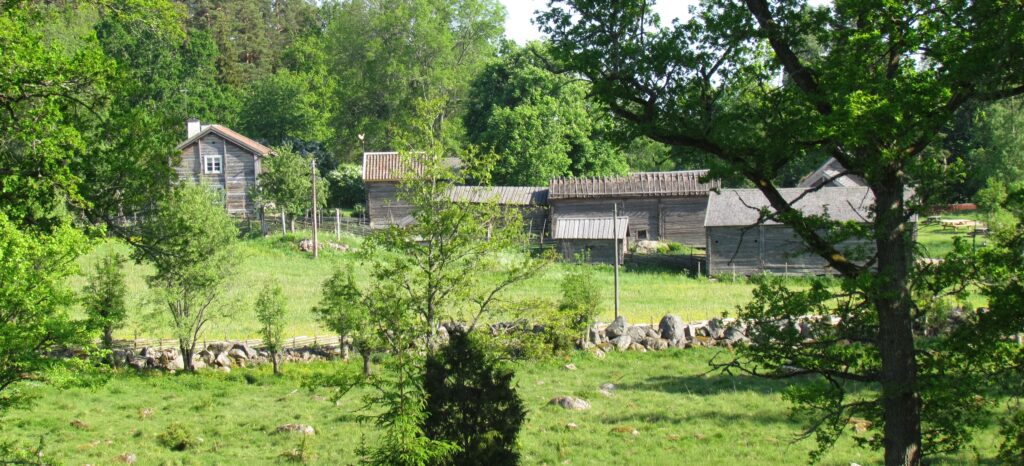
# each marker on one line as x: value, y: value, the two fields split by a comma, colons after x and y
x: 671, y: 332
x: 218, y: 355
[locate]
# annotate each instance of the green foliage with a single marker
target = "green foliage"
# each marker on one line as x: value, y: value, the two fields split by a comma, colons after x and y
x: 287, y: 183
x: 471, y: 403
x: 344, y: 310
x: 189, y: 239
x: 282, y: 106
x: 576, y: 310
x: 34, y: 302
x: 105, y: 299
x: 540, y: 124
x: 271, y: 313
x: 347, y: 188
x: 1012, y: 450
x: 178, y: 437
x: 391, y: 59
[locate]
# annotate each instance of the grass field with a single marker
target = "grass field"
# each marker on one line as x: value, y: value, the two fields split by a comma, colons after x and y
x: 682, y: 417
x: 645, y: 296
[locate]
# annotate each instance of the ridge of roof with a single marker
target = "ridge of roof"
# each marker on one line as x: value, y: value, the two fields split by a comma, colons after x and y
x: 230, y: 134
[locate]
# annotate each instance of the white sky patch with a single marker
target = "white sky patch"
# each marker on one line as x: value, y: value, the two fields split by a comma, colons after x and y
x: 518, y: 25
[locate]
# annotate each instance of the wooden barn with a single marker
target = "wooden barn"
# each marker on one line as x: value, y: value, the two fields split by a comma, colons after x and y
x: 223, y: 159
x: 663, y: 206
x: 831, y: 174
x: 382, y: 173
x: 529, y: 201
x: 737, y: 243
x: 592, y: 237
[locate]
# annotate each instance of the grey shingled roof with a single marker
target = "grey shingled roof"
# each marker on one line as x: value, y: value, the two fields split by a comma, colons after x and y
x: 832, y: 173
x: 740, y: 207
x: 588, y: 228
x: 387, y: 166
x: 648, y: 184
x: 503, y: 195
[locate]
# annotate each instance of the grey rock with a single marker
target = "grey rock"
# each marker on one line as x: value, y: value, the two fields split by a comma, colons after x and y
x: 637, y: 347
x: 218, y: 347
x: 636, y: 332
x: 595, y: 334
x: 237, y: 353
x: 177, y: 363
x: 222, y: 360
x: 734, y: 334
x: 296, y: 428
x: 617, y: 328
x: 655, y: 344
x: 672, y: 327
x: 652, y: 332
x: 570, y: 402
x: 622, y: 343
x: 607, y: 386
x: 716, y: 328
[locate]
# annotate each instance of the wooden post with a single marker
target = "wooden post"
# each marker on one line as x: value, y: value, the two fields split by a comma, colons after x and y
x: 615, y: 235
x: 312, y: 169
x: 284, y: 224
x: 337, y: 224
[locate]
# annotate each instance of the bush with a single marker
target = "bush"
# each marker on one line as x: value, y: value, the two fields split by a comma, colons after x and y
x: 1012, y: 449
x: 471, y: 403
x: 178, y: 437
x: 675, y: 246
x: 346, y: 184
x: 359, y: 210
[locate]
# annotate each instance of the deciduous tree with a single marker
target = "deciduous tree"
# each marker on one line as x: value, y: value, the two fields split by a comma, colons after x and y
x: 759, y: 84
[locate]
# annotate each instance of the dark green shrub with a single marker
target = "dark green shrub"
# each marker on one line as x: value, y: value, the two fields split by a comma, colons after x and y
x: 471, y: 403
x: 178, y: 437
x: 675, y: 247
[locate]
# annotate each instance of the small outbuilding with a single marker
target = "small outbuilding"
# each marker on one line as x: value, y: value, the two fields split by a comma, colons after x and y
x: 662, y: 206
x: 529, y: 201
x: 591, y: 237
x: 738, y: 243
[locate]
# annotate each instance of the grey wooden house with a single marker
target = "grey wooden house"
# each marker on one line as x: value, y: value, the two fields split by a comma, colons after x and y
x: 592, y: 238
x: 224, y: 160
x: 738, y: 243
x: 664, y: 206
x: 382, y: 173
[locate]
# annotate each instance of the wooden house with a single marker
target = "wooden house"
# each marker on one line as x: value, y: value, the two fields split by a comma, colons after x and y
x: 591, y: 237
x: 831, y: 174
x: 224, y: 160
x: 664, y: 206
x: 738, y: 243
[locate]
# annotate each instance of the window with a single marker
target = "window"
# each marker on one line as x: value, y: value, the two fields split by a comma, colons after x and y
x: 641, y: 234
x: 212, y: 163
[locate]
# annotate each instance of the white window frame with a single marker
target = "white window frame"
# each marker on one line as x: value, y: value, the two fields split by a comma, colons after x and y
x: 213, y: 163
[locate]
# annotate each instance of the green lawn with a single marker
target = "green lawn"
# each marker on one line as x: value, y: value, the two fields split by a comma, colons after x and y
x: 682, y: 417
x: 936, y: 241
x: 645, y: 296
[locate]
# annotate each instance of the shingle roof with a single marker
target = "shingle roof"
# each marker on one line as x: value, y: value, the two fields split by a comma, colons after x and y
x: 650, y: 184
x: 831, y: 172
x: 388, y: 166
x: 229, y: 134
x: 503, y: 195
x: 589, y: 228
x: 740, y: 207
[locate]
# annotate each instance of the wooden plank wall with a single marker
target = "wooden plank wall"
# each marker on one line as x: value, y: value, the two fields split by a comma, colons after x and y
x: 769, y: 248
x: 600, y: 251
x: 682, y: 220
x: 382, y: 204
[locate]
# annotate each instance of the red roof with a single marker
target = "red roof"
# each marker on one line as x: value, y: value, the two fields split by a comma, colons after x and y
x: 229, y: 134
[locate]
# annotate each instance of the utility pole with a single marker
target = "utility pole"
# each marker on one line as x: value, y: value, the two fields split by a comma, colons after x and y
x: 615, y: 234
x: 312, y: 166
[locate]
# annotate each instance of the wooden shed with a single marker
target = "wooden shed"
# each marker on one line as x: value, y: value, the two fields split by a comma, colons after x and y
x: 223, y: 159
x: 664, y: 206
x: 382, y: 172
x: 592, y: 237
x: 529, y: 201
x: 738, y: 243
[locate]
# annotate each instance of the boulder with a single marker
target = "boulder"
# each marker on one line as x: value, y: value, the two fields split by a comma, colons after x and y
x: 647, y: 246
x: 716, y: 328
x: 734, y: 334
x: 636, y: 332
x: 137, y: 362
x: 222, y: 360
x: 570, y: 367
x: 595, y: 334
x: 652, y: 332
x: 570, y: 402
x: 656, y: 344
x: 607, y: 386
x: 249, y: 352
x: 637, y: 347
x: 617, y: 328
x: 198, y: 364
x: 177, y: 363
x: 622, y: 343
x: 237, y: 353
x: 296, y: 428
x: 672, y: 327
x: 218, y: 347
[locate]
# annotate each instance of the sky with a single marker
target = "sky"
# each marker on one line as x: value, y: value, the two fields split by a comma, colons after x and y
x: 519, y: 28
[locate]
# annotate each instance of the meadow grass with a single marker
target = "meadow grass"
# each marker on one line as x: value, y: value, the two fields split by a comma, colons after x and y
x: 645, y: 295
x: 682, y: 415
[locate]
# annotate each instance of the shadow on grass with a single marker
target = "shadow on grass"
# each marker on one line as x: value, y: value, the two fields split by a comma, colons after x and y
x: 710, y: 384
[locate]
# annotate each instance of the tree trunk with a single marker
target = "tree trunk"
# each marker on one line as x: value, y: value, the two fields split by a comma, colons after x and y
x: 900, y: 402
x: 366, y: 362
x: 108, y: 337
x: 186, y: 356
x: 273, y: 358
